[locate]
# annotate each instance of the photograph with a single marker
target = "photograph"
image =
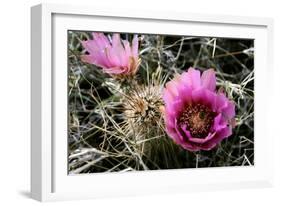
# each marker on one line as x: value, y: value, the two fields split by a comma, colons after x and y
x: 141, y: 102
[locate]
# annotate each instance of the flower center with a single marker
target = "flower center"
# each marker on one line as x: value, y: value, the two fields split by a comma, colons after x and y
x: 198, y: 119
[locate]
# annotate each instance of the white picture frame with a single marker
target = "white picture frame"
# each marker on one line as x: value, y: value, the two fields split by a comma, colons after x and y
x: 49, y: 178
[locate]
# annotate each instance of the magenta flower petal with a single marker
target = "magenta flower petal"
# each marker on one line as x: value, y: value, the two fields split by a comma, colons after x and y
x: 127, y: 48
x: 199, y: 95
x: 187, y: 98
x: 219, y: 122
x: 220, y: 135
x: 171, y: 88
x: 201, y: 141
x: 181, y: 134
x: 221, y: 102
x: 192, y: 78
x: 118, y: 50
x: 196, y: 116
x: 209, y: 79
x: 116, y: 57
x: 135, y: 46
x: 101, y: 40
x: 174, y: 109
x: 112, y: 59
x: 91, y: 59
x: 96, y: 54
x: 183, y: 140
x: 229, y: 111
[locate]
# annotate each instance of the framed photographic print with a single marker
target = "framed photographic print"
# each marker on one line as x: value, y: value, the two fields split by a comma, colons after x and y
x: 138, y: 102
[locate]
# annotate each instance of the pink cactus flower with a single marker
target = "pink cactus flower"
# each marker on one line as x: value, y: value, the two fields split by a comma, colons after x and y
x: 116, y: 57
x: 196, y: 116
